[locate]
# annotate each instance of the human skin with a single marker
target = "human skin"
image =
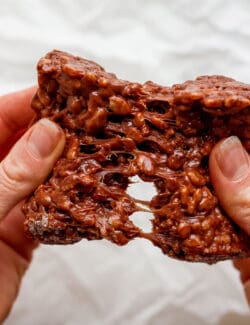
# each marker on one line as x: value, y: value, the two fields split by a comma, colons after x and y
x: 25, y: 162
x: 230, y: 173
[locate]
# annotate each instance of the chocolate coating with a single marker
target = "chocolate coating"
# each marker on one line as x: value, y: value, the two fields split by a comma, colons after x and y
x: 117, y: 129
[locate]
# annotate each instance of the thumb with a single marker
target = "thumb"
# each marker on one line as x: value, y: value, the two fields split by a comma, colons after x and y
x: 28, y: 163
x: 230, y: 173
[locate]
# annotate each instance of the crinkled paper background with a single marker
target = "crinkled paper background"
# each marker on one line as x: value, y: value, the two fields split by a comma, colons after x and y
x: 165, y: 41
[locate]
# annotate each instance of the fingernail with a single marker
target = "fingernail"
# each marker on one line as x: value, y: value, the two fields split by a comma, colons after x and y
x: 232, y: 159
x: 44, y: 138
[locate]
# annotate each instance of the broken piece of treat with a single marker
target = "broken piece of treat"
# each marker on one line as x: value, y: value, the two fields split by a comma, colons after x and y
x: 116, y: 130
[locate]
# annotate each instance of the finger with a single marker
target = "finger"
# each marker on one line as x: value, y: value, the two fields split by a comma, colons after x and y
x: 230, y: 173
x: 15, y: 112
x: 12, y: 269
x: 247, y: 291
x: 5, y: 148
x: 29, y: 163
x: 243, y: 265
x: 12, y: 233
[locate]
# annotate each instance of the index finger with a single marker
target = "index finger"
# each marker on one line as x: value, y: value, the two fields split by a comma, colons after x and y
x: 15, y: 112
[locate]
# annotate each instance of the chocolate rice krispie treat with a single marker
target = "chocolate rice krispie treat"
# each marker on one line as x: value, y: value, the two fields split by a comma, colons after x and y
x: 115, y: 130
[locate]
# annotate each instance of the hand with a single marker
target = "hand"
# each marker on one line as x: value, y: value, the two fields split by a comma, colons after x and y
x: 27, y: 164
x: 230, y: 173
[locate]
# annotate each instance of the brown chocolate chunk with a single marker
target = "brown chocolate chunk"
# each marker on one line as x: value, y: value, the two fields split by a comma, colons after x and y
x: 117, y: 129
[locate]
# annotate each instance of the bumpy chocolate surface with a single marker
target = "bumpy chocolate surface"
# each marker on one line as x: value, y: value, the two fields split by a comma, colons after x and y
x: 117, y: 129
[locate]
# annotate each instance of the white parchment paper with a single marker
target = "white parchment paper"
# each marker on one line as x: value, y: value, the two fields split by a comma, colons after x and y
x: 167, y: 42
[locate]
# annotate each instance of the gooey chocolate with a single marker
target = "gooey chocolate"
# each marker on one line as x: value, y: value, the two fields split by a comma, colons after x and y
x: 117, y: 129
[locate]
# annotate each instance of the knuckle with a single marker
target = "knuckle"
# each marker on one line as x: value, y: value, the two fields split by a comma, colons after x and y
x: 13, y: 174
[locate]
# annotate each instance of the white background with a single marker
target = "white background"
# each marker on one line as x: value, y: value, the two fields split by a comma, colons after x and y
x: 167, y: 42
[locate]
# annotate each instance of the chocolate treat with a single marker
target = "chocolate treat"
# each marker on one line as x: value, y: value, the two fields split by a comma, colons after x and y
x: 117, y: 129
